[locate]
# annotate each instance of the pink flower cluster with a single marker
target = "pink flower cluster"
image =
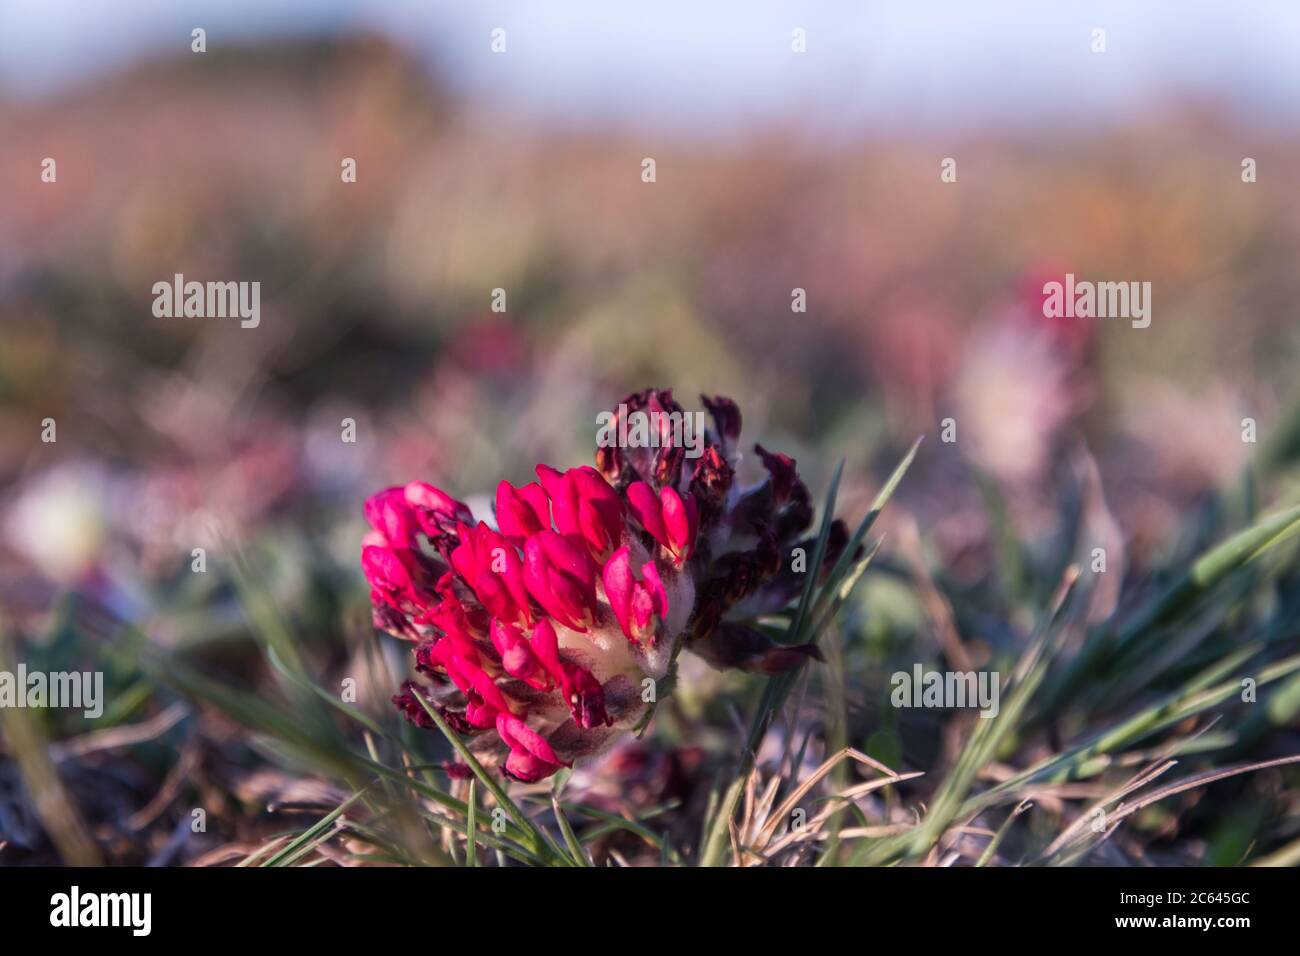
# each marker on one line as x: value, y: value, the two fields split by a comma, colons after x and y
x: 542, y: 637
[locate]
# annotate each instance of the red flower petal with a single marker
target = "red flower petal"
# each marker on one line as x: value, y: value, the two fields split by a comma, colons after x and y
x: 647, y: 510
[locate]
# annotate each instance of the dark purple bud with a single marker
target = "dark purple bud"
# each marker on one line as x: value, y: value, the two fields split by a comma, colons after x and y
x: 797, y: 514
x: 710, y: 483
x: 726, y: 418
x: 783, y: 472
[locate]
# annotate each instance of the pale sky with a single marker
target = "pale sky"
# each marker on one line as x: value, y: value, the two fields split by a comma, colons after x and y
x: 725, y: 63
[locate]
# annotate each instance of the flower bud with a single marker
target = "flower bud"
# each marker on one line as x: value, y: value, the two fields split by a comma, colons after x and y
x: 585, y: 507
x: 490, y: 565
x: 523, y: 511
x: 561, y: 577
x: 669, y: 519
x: 638, y: 605
x: 726, y: 419
x: 436, y: 511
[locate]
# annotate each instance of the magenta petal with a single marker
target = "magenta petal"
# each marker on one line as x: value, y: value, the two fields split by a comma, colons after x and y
x: 464, y: 560
x: 563, y: 495
x: 526, y: 768
x: 654, y: 586
x: 390, y: 515
x: 645, y: 507
x: 585, y: 697
x: 487, y: 689
x: 598, y: 502
x: 547, y: 650
x: 480, y: 715
x: 386, y: 574
x: 677, y: 521
x: 569, y: 602
x: 566, y: 557
x: 512, y: 574
x: 561, y: 577
x: 522, y: 512
x: 492, y: 592
x: 519, y: 736
x: 421, y: 494
x: 517, y: 657
x: 643, y: 612
x: 512, y: 518
x: 592, y: 528
x: 518, y: 661
x: 538, y: 503
x: 619, y: 585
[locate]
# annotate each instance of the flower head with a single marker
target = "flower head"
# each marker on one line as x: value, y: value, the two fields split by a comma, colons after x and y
x: 538, y: 635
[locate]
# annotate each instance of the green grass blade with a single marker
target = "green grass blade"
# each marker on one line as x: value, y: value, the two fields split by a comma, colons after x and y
x: 471, y: 826
x: 305, y: 839
x: 539, y: 842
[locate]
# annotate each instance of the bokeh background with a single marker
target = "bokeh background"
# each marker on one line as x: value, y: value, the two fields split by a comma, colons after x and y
x: 522, y: 171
